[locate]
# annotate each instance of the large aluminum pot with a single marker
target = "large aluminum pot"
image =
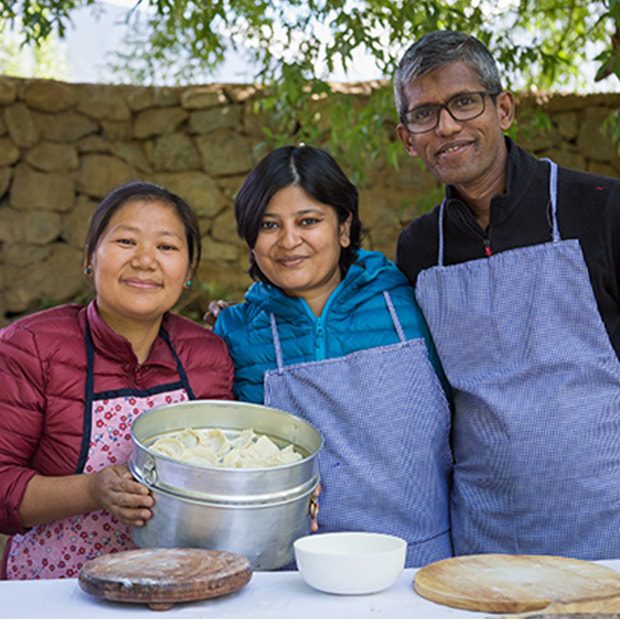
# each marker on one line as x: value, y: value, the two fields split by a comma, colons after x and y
x: 258, y: 513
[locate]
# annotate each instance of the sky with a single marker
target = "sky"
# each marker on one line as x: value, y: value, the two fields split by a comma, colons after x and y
x: 92, y: 38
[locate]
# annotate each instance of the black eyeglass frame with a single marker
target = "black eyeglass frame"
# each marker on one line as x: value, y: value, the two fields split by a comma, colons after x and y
x: 444, y: 106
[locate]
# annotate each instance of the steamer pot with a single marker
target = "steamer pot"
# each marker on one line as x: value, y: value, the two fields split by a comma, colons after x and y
x: 258, y: 513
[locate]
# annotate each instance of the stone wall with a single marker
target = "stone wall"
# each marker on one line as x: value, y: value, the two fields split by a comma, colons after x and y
x: 64, y: 146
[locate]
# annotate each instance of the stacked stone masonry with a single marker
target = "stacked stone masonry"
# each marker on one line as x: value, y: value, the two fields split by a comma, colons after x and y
x: 64, y: 146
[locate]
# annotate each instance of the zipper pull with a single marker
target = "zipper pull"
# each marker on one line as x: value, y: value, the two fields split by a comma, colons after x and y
x: 318, y: 336
x: 487, y: 246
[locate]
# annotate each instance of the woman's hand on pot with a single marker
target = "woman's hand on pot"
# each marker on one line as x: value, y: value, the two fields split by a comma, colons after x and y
x: 314, y: 509
x: 114, y: 489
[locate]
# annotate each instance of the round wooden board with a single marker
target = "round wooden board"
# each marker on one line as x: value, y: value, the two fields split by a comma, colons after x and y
x: 161, y: 577
x: 513, y: 583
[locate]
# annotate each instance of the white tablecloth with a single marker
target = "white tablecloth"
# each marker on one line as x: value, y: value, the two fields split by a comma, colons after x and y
x: 268, y: 595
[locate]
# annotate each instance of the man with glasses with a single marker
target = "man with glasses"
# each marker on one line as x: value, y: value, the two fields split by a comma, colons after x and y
x: 518, y: 275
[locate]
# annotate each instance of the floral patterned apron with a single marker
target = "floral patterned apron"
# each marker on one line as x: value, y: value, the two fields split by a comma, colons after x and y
x: 60, y: 549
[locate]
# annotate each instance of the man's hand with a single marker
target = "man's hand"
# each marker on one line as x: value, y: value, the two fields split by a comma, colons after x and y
x: 314, y: 509
x: 114, y: 489
x: 213, y: 310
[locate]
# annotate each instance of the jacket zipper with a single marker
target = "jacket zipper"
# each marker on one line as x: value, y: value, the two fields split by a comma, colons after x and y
x: 319, y: 342
x: 476, y: 230
x: 319, y: 332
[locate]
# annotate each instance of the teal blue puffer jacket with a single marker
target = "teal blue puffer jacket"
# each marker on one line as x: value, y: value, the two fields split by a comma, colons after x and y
x: 355, y: 317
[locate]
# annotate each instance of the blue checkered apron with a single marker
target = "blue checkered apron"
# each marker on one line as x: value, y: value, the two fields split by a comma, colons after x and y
x: 386, y: 461
x: 536, y: 430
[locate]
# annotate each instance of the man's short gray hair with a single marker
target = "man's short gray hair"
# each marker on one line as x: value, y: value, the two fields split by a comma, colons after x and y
x: 439, y: 48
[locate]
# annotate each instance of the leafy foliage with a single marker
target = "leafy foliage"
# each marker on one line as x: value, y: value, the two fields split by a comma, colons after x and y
x: 40, y: 18
x: 46, y: 60
x: 296, y: 44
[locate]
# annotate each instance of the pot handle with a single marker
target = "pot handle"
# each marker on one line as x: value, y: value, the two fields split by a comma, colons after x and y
x: 149, y: 470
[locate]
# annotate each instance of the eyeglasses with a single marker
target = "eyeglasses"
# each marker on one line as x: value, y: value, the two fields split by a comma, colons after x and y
x: 461, y: 107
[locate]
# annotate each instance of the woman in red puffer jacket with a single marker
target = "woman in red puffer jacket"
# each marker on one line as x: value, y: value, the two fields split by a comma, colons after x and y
x: 73, y: 378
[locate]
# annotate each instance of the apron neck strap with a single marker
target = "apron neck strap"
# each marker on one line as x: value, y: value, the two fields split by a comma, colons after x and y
x: 90, y: 364
x: 276, y: 341
x: 553, y: 197
x: 442, y: 209
x: 397, y: 326
x: 180, y: 369
x: 278, y: 346
x: 553, y: 200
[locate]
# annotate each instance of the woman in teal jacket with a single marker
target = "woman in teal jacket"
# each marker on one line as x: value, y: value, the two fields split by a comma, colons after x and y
x: 354, y: 318
x: 331, y: 332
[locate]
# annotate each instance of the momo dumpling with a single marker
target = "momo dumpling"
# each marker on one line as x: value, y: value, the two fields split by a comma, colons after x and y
x: 189, y: 437
x: 285, y: 456
x: 201, y: 455
x: 169, y: 446
x: 212, y: 448
x: 235, y: 458
x: 215, y: 440
x: 245, y: 438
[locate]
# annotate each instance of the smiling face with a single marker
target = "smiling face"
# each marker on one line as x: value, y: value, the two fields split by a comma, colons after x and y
x: 465, y: 154
x: 140, y: 263
x: 298, y: 246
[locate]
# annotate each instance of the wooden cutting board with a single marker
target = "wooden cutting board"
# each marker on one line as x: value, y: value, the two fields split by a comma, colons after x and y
x: 608, y: 607
x: 160, y: 578
x: 513, y: 583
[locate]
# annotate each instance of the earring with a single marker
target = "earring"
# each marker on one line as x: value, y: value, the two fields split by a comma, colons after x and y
x: 88, y: 270
x: 188, y: 284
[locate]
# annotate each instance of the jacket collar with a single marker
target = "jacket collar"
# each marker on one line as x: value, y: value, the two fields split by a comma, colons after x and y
x: 521, y: 169
x: 371, y: 273
x: 117, y: 348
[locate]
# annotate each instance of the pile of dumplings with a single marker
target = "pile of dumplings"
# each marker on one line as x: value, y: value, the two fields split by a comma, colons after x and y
x: 211, y: 448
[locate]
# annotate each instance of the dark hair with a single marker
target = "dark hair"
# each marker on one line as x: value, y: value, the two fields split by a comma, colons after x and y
x: 439, y: 48
x: 317, y: 173
x: 142, y: 190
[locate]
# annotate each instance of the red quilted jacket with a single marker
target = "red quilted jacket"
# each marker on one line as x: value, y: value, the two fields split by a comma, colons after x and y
x: 42, y: 388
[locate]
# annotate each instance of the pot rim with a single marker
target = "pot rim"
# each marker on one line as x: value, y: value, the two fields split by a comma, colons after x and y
x: 229, y: 470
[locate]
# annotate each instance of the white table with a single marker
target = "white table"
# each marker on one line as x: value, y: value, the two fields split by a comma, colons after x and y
x: 268, y: 595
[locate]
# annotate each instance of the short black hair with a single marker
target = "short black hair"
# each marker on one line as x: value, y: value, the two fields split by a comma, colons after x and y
x: 313, y: 170
x: 143, y: 190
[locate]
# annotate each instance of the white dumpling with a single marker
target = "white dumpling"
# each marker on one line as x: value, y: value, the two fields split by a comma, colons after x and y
x: 286, y: 455
x: 189, y: 437
x: 244, y: 439
x: 211, y: 448
x: 234, y: 458
x: 215, y: 440
x: 200, y: 455
x: 169, y: 446
x: 264, y: 447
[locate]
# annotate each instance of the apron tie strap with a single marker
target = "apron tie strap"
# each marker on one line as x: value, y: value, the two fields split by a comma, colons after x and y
x: 397, y: 326
x: 276, y: 342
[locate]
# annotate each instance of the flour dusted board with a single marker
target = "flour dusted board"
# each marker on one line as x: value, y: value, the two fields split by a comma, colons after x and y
x: 161, y: 577
x: 513, y: 583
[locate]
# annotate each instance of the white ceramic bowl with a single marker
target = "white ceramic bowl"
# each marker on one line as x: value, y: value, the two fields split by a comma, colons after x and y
x: 350, y: 562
